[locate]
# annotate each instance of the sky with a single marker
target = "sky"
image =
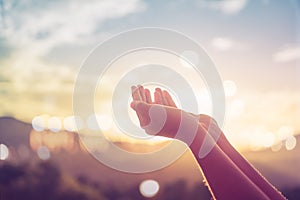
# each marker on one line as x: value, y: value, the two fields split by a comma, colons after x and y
x: 255, y: 46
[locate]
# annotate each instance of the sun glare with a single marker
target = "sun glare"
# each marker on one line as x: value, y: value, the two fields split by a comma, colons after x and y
x: 284, y: 132
x: 230, y: 88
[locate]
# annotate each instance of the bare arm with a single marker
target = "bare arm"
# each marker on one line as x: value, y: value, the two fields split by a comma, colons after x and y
x: 228, y: 174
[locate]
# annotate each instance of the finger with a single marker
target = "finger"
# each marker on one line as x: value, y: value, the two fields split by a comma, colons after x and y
x: 157, y: 96
x: 142, y: 92
x: 164, y: 100
x: 132, y: 105
x: 135, y: 93
x: 169, y: 99
x: 148, y: 96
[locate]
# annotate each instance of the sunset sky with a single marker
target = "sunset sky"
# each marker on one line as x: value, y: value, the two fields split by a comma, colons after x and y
x: 254, y: 44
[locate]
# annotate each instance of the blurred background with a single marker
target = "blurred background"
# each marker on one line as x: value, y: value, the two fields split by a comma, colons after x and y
x: 255, y: 47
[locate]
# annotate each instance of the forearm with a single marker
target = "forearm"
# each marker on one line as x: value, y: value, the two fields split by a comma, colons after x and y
x: 164, y: 119
x: 248, y: 169
x: 224, y: 178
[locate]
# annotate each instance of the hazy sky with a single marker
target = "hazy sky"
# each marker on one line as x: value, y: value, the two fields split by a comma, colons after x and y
x: 255, y: 44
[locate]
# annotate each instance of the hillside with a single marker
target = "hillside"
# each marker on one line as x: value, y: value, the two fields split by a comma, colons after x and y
x: 281, y: 167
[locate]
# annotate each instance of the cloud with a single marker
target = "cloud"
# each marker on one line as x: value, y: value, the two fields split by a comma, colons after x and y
x: 287, y: 54
x: 44, y: 24
x: 222, y: 43
x: 5, y: 48
x: 229, y: 7
x: 33, y: 28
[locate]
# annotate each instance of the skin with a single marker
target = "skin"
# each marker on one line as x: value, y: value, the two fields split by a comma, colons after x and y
x: 228, y: 174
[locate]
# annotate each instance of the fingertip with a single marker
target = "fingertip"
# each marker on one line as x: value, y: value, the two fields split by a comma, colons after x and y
x: 166, y: 93
x: 148, y: 95
x: 141, y: 92
x: 133, y: 88
x: 132, y: 105
x: 157, y: 97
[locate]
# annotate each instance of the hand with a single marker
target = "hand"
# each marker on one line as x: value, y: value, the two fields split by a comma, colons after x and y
x: 163, y: 97
x: 161, y: 116
x: 235, y: 169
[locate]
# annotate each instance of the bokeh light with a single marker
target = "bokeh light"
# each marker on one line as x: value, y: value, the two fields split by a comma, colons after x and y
x: 284, y: 132
x: 38, y: 123
x: 54, y: 124
x: 43, y: 153
x: 72, y: 123
x: 97, y: 122
x: 276, y: 147
x: 105, y: 122
x: 4, y: 152
x: 268, y: 139
x: 290, y: 143
x: 149, y: 188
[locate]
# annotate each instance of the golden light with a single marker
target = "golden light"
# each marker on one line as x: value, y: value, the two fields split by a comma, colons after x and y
x: 284, y: 132
x: 149, y: 188
x: 276, y: 147
x: 237, y: 106
x: 260, y: 138
x: 268, y: 139
x: 105, y: 122
x: 205, y: 102
x: 230, y: 88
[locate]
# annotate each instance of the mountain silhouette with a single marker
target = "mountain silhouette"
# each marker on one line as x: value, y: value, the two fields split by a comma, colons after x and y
x: 14, y: 132
x: 280, y: 168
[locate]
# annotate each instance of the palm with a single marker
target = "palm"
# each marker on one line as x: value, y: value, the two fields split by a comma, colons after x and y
x: 161, y: 116
x: 162, y: 97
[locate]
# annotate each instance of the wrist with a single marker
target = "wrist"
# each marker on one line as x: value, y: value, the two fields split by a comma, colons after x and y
x: 200, y: 138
